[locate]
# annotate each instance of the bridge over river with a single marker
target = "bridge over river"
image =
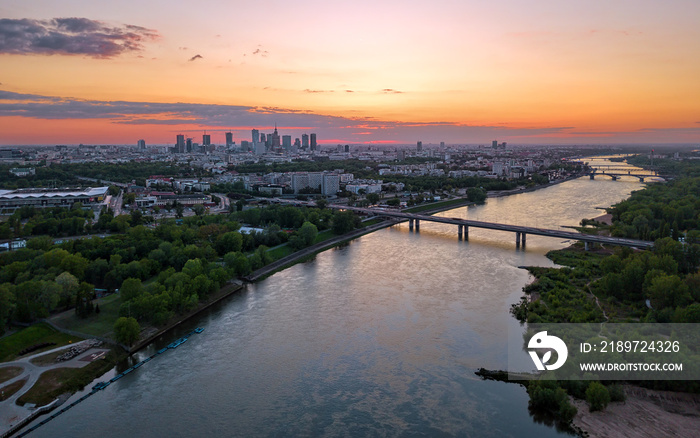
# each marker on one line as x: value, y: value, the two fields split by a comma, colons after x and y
x: 521, y: 232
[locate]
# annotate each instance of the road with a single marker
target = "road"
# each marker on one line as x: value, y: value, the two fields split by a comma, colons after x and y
x: 10, y: 412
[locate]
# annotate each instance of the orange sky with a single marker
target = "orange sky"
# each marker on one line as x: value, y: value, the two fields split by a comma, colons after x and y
x: 548, y: 71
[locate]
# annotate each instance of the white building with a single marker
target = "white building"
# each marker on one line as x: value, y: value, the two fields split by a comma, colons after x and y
x: 11, y: 200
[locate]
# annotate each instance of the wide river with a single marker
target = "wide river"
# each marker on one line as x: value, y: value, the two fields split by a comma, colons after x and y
x: 380, y: 337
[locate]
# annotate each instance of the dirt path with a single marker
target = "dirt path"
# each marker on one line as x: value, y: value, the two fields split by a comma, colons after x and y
x: 10, y: 412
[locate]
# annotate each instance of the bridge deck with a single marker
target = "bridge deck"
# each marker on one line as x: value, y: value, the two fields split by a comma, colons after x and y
x: 504, y: 227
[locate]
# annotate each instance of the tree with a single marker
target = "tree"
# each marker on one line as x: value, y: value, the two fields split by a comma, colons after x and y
x: 229, y: 242
x: 321, y: 203
x: 668, y: 291
x: 394, y: 202
x: 344, y: 222
x: 373, y: 198
x: 198, y: 209
x: 126, y: 330
x: 307, y: 233
x: 136, y: 218
x: 475, y: 194
x: 131, y: 289
x: 7, y: 305
x: 69, y: 285
x: 597, y: 396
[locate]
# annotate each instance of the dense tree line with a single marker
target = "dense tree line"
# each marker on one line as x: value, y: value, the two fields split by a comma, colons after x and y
x: 660, y: 285
x: 161, y: 271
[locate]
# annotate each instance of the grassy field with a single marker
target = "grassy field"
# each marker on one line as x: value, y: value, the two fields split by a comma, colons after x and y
x: 55, y: 382
x: 9, y: 390
x: 10, y: 346
x: 433, y: 205
x: 100, y: 324
x: 8, y: 373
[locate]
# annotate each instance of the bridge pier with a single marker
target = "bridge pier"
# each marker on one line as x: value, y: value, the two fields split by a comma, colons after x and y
x: 523, y: 239
x: 417, y: 225
x: 410, y: 224
x: 585, y: 246
x: 459, y: 231
x: 592, y: 175
x: 517, y: 239
x: 466, y: 232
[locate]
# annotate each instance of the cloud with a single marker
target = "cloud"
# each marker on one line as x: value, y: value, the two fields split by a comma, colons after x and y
x: 70, y: 36
x: 349, y: 91
x: 391, y: 91
x: 243, y: 117
x: 318, y: 91
x: 196, y: 57
x: 260, y: 52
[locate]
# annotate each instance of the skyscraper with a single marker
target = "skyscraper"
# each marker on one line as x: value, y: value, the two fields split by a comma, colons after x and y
x: 256, y: 137
x: 180, y: 145
x: 188, y: 146
x: 287, y: 142
x: 229, y: 139
x: 419, y: 146
x: 305, y: 141
x: 206, y: 139
x: 275, y: 142
x: 313, y: 142
x: 141, y: 144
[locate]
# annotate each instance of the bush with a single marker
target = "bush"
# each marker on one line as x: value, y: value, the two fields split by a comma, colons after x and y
x: 597, y: 396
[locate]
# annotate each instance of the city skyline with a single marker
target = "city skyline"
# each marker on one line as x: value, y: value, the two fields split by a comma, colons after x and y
x: 575, y: 73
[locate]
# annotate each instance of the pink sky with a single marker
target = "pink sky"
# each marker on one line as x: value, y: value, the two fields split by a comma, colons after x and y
x: 455, y: 71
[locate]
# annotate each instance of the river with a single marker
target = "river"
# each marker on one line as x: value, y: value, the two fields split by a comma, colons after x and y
x: 380, y: 337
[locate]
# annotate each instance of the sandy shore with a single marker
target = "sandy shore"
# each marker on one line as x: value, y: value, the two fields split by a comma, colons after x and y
x: 645, y: 413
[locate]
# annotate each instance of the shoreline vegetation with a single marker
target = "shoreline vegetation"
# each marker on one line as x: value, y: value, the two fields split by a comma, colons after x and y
x: 236, y: 261
x: 621, y: 285
x: 60, y: 383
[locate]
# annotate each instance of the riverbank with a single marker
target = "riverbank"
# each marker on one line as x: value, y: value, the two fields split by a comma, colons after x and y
x: 645, y: 413
x: 152, y: 333
x: 501, y: 193
x: 312, y: 250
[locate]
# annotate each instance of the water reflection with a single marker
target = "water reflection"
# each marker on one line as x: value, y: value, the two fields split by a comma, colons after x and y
x: 379, y: 337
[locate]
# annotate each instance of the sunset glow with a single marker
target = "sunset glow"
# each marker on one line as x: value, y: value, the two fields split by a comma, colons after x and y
x: 366, y: 71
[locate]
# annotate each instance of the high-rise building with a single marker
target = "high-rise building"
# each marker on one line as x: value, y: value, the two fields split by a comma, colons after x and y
x: 494, y: 144
x: 305, y: 141
x: 300, y: 181
x: 287, y: 142
x: 275, y: 139
x: 419, y: 146
x: 141, y: 144
x: 442, y: 145
x: 180, y: 145
x: 256, y: 136
x: 347, y: 148
x: 206, y: 140
x: 259, y: 147
x: 331, y: 184
x: 229, y: 139
x: 316, y: 180
x: 313, y: 142
x: 188, y: 146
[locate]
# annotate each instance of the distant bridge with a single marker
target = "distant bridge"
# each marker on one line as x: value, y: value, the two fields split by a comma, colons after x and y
x: 617, y: 174
x: 521, y: 232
